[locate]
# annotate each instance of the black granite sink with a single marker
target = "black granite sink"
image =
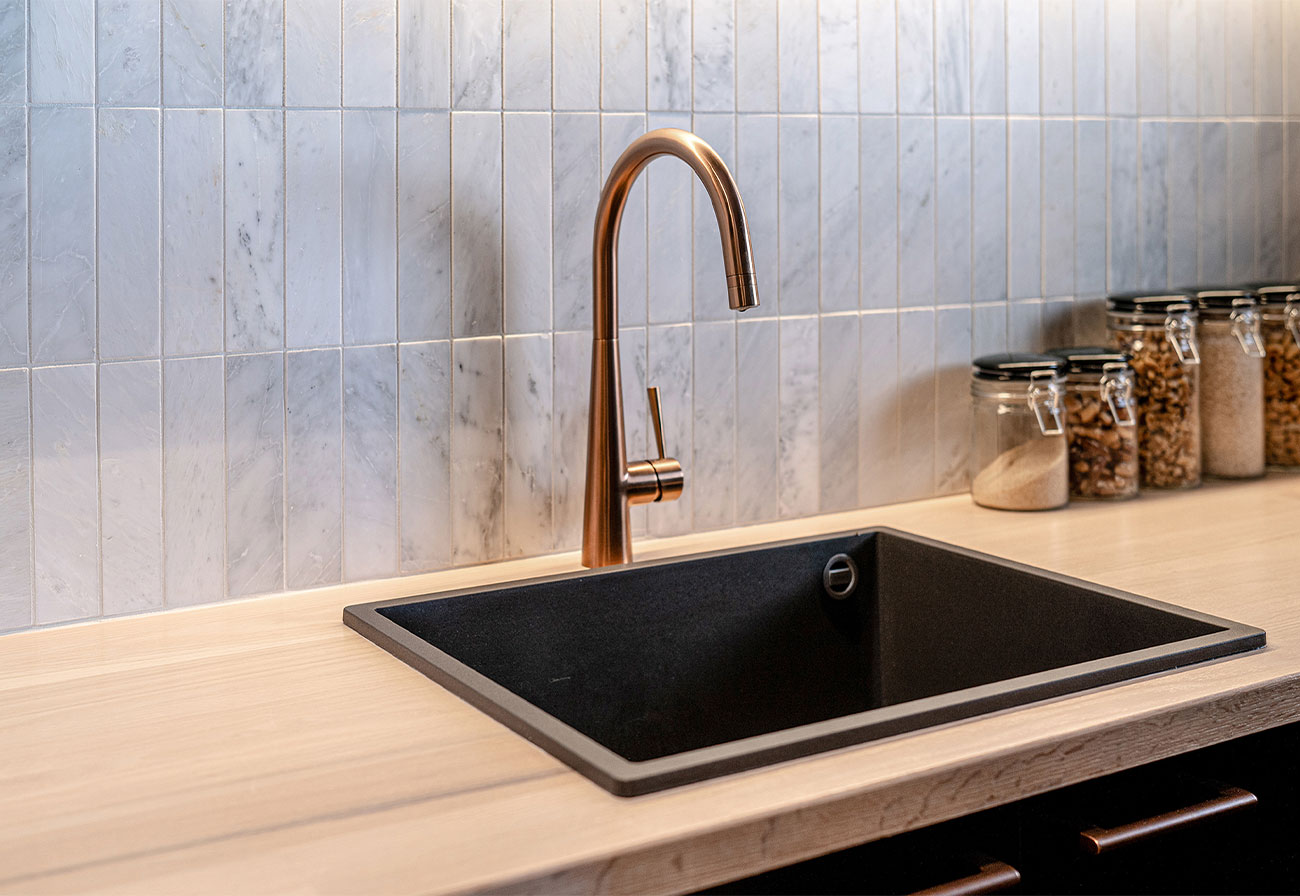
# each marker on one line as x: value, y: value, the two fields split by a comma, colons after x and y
x: 662, y: 673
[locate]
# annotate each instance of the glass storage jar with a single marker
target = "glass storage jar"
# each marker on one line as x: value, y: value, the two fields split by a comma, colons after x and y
x: 1158, y: 333
x: 1018, y: 456
x: 1279, y: 305
x: 1100, y: 422
x: 1232, y: 383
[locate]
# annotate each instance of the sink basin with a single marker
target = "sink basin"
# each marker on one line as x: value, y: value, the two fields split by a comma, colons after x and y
x: 662, y: 673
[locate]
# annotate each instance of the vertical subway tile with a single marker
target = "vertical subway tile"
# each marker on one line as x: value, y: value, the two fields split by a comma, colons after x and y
x: 989, y: 209
x: 423, y: 225
x: 1212, y: 67
x: 369, y: 462
x: 254, y: 52
x: 952, y: 56
x: 476, y: 54
x: 800, y: 427
x: 1153, y: 200
x: 1272, y: 221
x: 617, y: 130
x: 713, y: 55
x: 312, y: 226
x: 1025, y: 243
x: 1181, y: 181
x: 634, y: 372
x: 878, y: 56
x: 1290, y: 59
x: 129, y: 234
x: 916, y: 402
x: 526, y: 54
x: 1090, y: 208
x: 758, y: 438
x: 756, y: 175
x: 370, y: 52
x: 1090, y: 57
x: 670, y: 365
x: 62, y: 178
x: 1268, y: 54
x: 988, y: 56
x: 571, y: 384
x: 668, y: 55
x: 128, y: 49
x: 756, y: 64
x: 313, y: 487
x: 1292, y: 193
x: 1056, y: 61
x: 254, y: 185
x: 528, y: 432
x: 62, y: 51
x: 575, y: 74
x: 370, y: 226
x: 1212, y: 239
x: 194, y: 481
x: 576, y: 188
x: 424, y: 455
x: 988, y: 330
x: 477, y: 455
x: 1153, y: 55
x: 797, y: 55
x: 878, y: 254
x: 1025, y: 326
x: 1058, y: 208
x: 916, y: 56
x: 13, y: 54
x: 476, y: 224
x: 1058, y: 323
x: 130, y: 485
x: 15, y: 501
x: 837, y: 55
x: 1239, y: 57
x: 1243, y: 202
x: 254, y: 473
x: 1122, y: 192
x: 13, y: 236
x: 192, y: 263
x: 713, y: 456
x: 424, y: 54
x: 798, y: 215
x: 839, y: 243
x: 65, y: 493
x: 953, y: 211
x: 838, y: 426
x: 1022, y: 57
x: 878, y: 409
x: 192, y: 61
x: 1184, y: 58
x: 313, y: 53
x: 669, y: 234
x: 710, y: 279
x: 916, y: 216
x: 1121, y: 57
x: 953, y: 418
x: 527, y: 224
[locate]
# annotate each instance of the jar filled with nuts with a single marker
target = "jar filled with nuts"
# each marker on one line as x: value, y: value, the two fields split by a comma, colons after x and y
x: 1158, y: 333
x: 1018, y: 456
x: 1280, y: 309
x: 1232, y: 383
x: 1100, y: 423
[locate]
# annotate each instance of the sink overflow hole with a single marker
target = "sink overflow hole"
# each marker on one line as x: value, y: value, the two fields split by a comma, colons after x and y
x: 840, y: 577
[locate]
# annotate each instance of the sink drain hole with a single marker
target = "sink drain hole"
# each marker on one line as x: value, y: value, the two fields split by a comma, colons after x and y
x: 840, y: 577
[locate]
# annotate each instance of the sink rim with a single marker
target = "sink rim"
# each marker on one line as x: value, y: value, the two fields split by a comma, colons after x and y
x: 624, y: 777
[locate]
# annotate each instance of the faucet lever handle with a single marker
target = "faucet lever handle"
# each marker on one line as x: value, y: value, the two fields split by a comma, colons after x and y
x: 656, y: 418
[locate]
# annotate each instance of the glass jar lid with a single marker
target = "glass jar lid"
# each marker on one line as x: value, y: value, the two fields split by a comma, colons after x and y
x: 1015, y: 366
x: 1275, y: 293
x: 1149, y: 302
x: 1219, y: 301
x: 1089, y: 360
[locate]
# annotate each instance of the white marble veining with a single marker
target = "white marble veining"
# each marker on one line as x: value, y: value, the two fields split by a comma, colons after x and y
x: 952, y: 390
x: 526, y: 187
x: 477, y: 450
x: 952, y: 56
x: 192, y: 68
x: 475, y: 55
x: 1090, y: 208
x: 916, y: 174
x: 668, y: 42
x: 878, y: 57
x: 989, y: 210
x: 130, y: 485
x: 1153, y: 207
x: 988, y: 55
x: 709, y: 292
x: 61, y: 171
x: 797, y: 55
x: 254, y: 60
x: 1122, y: 232
x: 800, y: 487
x: 756, y: 64
x: 1090, y: 56
x: 1243, y: 200
x: 1153, y: 55
x: 575, y: 163
x: 756, y: 171
x: 1022, y: 57
x: 526, y: 54
x: 575, y: 54
x: 622, y: 54
x: 671, y: 370
x: 1184, y: 61
x: 837, y: 388
x: 839, y: 241
x: 1271, y: 262
x: 312, y: 227
x: 313, y: 484
x: 758, y: 419
x: 1058, y: 208
x: 192, y: 227
x: 916, y: 56
x: 65, y: 493
x: 194, y: 481
x: 669, y: 189
x: 798, y: 215
x: 13, y: 237
x: 62, y: 51
x: 837, y: 55
x: 1212, y: 239
x: 313, y: 53
x: 713, y: 58
x: 13, y: 53
x: 571, y: 386
x: 369, y: 226
x: 370, y: 34
x: 1024, y: 203
x: 1239, y: 62
x: 916, y: 402
x: 370, y: 461
x: 1056, y: 36
x: 254, y: 473
x: 254, y: 189
x: 528, y: 432
x: 15, y: 502
x: 953, y: 211
x: 424, y: 454
x: 617, y: 130
x: 424, y: 54
x: 878, y: 251
x: 1212, y: 68
x: 128, y: 245
x: 1121, y: 57
x: 1183, y: 173
x: 423, y: 225
x: 127, y: 42
x: 878, y: 460
x: 476, y: 224
x: 712, y: 469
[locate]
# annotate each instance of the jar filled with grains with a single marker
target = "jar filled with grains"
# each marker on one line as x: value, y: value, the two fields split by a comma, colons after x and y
x: 1018, y: 456
x: 1158, y: 333
x: 1100, y: 423
x: 1279, y: 305
x: 1232, y: 383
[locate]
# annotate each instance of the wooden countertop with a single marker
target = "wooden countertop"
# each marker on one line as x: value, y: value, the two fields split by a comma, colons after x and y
x: 262, y: 747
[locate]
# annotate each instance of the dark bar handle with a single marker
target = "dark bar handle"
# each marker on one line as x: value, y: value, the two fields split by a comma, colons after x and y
x: 992, y: 877
x: 1096, y: 841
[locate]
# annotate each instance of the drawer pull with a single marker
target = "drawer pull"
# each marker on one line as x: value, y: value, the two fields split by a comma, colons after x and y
x: 992, y: 877
x: 1096, y: 841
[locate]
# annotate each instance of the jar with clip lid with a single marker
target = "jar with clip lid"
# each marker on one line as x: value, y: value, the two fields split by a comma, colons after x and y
x: 1232, y: 383
x: 1279, y: 305
x: 1100, y: 423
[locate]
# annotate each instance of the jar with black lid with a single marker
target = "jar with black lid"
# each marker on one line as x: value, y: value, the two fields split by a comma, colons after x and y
x: 1279, y: 305
x: 1100, y: 422
x: 1158, y: 333
x: 1018, y: 456
x: 1232, y: 383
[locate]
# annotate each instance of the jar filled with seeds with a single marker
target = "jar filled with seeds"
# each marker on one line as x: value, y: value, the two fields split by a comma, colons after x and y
x: 1232, y: 383
x: 1100, y: 423
x: 1018, y: 456
x: 1158, y: 333
x: 1279, y: 305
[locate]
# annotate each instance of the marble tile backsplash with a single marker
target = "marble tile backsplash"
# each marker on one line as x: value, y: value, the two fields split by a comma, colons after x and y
x: 297, y: 292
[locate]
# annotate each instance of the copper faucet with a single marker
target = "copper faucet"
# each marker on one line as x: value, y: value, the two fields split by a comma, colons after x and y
x: 614, y: 482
